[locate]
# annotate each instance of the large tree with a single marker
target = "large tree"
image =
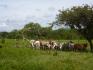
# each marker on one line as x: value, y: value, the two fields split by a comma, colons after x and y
x: 79, y: 18
x: 31, y: 30
x: 34, y: 30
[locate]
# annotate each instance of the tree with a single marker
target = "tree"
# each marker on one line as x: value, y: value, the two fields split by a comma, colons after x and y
x: 3, y: 35
x: 14, y: 34
x: 31, y: 30
x: 79, y: 18
x: 35, y: 31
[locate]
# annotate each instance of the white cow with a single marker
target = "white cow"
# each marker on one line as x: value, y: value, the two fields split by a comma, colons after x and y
x: 32, y: 43
x: 35, y: 43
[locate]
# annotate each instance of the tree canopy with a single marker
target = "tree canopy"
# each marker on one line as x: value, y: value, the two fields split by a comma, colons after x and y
x: 79, y: 18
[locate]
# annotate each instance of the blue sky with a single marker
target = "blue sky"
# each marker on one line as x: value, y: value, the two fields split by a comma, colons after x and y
x: 14, y: 14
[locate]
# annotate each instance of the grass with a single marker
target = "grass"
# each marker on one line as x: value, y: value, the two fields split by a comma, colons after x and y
x: 12, y: 43
x: 12, y: 58
x: 29, y: 59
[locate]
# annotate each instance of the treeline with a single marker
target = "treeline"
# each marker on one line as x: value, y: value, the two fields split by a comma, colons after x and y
x: 35, y: 31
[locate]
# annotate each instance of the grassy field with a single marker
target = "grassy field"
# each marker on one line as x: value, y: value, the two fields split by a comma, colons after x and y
x: 21, y: 43
x: 28, y: 59
x: 12, y: 58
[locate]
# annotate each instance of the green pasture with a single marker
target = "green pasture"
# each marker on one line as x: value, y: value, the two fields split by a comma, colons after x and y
x: 13, y: 43
x: 23, y: 43
x: 23, y: 58
x: 29, y: 59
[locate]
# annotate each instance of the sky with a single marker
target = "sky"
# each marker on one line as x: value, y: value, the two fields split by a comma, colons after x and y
x: 14, y: 14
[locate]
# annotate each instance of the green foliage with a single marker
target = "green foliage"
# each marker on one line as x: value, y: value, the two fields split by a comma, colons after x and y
x: 3, y: 35
x: 31, y: 30
x: 35, y: 31
x: 79, y: 18
x: 66, y: 34
x: 14, y: 34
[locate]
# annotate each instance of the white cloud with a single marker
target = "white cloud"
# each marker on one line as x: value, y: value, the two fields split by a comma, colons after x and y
x: 3, y: 24
x: 14, y: 14
x: 3, y: 6
x: 51, y: 9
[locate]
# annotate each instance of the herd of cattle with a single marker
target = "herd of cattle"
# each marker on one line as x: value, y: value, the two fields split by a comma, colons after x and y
x: 54, y: 45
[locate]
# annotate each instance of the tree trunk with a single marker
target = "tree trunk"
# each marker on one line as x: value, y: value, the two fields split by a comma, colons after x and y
x: 91, y: 45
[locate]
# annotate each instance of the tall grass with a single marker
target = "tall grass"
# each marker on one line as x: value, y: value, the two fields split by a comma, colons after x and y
x: 29, y: 59
x: 12, y: 58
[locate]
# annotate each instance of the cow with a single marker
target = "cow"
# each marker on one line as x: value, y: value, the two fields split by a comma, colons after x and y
x: 44, y: 44
x: 34, y: 43
x: 49, y: 45
x: 80, y: 47
x: 37, y: 44
x: 53, y: 45
x: 67, y: 46
x: 70, y: 45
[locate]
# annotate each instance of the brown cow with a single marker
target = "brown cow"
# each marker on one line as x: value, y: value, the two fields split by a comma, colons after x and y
x: 80, y: 47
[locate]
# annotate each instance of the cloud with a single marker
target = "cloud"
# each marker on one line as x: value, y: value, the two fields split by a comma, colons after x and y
x: 4, y: 27
x: 51, y: 9
x: 16, y: 13
x: 38, y: 9
x: 3, y: 5
x: 9, y: 25
x: 3, y: 24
